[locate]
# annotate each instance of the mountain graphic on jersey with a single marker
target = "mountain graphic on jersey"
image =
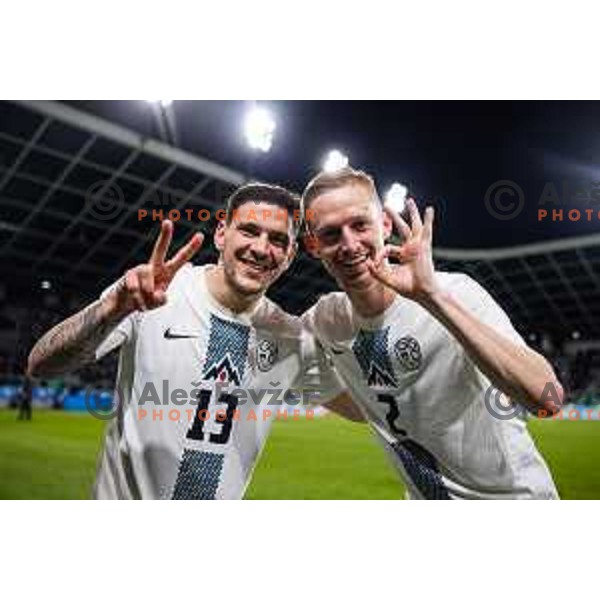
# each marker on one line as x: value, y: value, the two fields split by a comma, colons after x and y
x: 378, y: 377
x: 223, y: 371
x: 227, y: 351
x: 371, y: 351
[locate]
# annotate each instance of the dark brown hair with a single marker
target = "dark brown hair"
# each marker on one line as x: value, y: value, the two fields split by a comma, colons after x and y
x: 265, y: 192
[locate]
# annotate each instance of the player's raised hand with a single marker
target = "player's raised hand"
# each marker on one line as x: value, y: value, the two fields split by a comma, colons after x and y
x: 414, y: 277
x: 145, y: 287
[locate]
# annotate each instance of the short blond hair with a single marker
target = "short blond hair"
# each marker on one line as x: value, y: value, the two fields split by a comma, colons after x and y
x: 324, y: 182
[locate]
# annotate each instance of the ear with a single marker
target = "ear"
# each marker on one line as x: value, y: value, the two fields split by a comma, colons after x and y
x: 311, y: 244
x: 388, y: 226
x: 219, y: 237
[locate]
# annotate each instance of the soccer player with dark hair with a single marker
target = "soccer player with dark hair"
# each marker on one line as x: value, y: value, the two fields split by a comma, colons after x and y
x: 203, y: 334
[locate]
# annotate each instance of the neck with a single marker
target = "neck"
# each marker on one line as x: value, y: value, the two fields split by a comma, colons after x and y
x: 225, y: 294
x: 373, y: 300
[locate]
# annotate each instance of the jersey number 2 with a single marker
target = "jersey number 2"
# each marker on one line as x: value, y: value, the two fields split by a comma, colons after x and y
x: 393, y: 413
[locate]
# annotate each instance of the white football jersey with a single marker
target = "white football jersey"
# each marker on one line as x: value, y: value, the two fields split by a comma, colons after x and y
x: 179, y: 432
x: 424, y: 397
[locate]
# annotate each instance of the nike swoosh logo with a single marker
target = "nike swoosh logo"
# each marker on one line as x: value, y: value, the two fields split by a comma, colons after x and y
x: 176, y: 336
x: 335, y: 351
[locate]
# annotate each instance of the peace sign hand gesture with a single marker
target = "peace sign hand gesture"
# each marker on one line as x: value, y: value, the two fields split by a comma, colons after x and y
x: 144, y: 287
x: 414, y: 277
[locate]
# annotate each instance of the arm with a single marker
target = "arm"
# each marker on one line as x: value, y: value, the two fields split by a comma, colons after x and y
x: 319, y: 370
x: 517, y: 370
x: 73, y: 342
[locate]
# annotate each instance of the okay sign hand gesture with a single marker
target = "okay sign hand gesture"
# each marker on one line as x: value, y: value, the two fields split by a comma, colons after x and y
x: 414, y: 277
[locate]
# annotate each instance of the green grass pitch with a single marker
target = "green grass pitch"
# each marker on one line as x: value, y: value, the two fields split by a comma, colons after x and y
x: 54, y: 456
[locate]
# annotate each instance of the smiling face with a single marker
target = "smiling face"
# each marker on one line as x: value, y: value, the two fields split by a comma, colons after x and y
x: 256, y: 247
x: 348, y: 227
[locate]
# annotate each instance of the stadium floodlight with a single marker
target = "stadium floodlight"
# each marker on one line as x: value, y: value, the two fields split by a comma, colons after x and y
x: 46, y: 285
x: 396, y: 197
x: 163, y: 103
x: 259, y: 127
x: 576, y: 335
x: 335, y: 161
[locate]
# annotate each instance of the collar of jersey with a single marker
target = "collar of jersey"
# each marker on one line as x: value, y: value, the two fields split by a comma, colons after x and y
x: 216, y: 306
x: 378, y: 320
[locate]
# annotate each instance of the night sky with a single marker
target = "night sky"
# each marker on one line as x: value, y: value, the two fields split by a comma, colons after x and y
x: 448, y: 153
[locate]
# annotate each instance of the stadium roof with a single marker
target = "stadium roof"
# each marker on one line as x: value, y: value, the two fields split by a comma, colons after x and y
x: 71, y: 184
x: 550, y: 286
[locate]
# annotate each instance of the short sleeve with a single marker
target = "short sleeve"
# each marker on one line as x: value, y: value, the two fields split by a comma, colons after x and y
x: 474, y: 297
x: 330, y: 318
x: 480, y: 302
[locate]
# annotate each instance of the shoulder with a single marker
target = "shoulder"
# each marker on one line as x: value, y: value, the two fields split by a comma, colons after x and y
x: 462, y: 285
x: 186, y: 283
x: 330, y: 317
x: 271, y: 317
x: 181, y: 291
x: 185, y: 275
x: 183, y: 278
x: 479, y: 301
x: 454, y: 279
